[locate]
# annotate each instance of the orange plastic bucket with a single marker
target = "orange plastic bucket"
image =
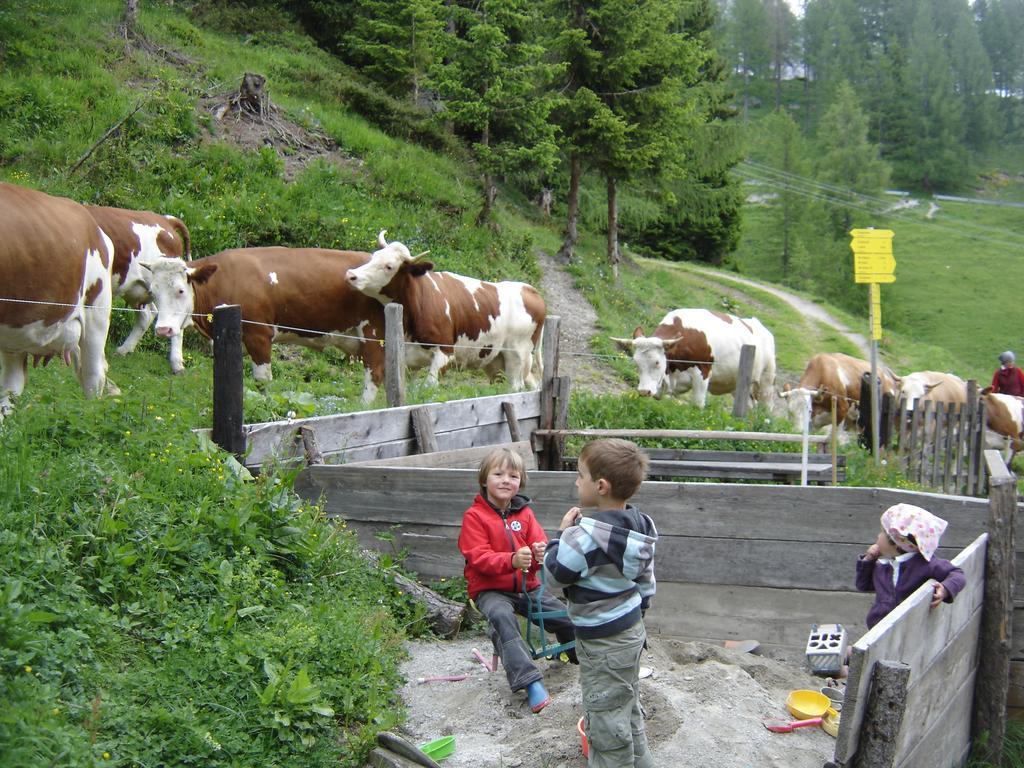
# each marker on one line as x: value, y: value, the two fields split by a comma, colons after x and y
x: 583, y: 738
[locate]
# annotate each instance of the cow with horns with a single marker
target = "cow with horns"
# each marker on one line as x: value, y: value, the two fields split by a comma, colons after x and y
x: 55, y: 264
x: 140, y: 238
x: 698, y: 351
x: 452, y: 318
x: 287, y: 295
x: 835, y: 378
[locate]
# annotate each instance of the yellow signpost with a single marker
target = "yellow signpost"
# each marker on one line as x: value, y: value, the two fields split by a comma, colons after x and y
x: 873, y: 263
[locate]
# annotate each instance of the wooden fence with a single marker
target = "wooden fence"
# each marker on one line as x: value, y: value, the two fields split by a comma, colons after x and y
x: 734, y: 562
x: 939, y: 445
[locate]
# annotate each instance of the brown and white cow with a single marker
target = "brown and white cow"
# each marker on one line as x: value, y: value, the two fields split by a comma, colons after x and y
x: 931, y: 386
x: 1004, y: 420
x: 453, y: 318
x: 833, y: 375
x: 287, y: 295
x: 55, y: 288
x: 698, y: 351
x: 141, y: 237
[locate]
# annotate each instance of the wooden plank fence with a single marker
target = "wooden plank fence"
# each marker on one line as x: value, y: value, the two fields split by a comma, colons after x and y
x: 939, y: 445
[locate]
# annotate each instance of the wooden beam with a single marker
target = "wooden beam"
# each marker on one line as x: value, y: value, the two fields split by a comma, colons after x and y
x: 309, y: 446
x: 513, y: 423
x: 884, y: 716
x: 741, y: 395
x: 682, y: 434
x: 992, y: 686
x: 423, y: 428
x: 394, y: 355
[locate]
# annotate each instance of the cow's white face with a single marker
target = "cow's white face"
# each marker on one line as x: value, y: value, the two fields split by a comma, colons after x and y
x: 172, y: 295
x: 652, y: 365
x: 373, y: 276
x: 912, y: 389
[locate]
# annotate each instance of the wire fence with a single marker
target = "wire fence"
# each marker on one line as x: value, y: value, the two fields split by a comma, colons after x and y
x: 343, y: 336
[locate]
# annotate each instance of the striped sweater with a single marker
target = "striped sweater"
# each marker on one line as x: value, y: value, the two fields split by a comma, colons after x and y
x: 605, y: 564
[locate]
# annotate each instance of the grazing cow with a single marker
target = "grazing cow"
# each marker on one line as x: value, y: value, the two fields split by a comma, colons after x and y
x: 833, y: 375
x: 449, y: 317
x: 287, y: 295
x: 931, y: 386
x: 698, y: 351
x: 1004, y: 421
x: 55, y: 288
x: 141, y: 237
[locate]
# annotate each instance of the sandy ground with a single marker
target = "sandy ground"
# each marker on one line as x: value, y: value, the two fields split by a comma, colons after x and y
x: 704, y: 707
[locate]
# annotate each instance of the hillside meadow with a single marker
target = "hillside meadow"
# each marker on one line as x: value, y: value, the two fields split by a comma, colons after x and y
x: 157, y: 604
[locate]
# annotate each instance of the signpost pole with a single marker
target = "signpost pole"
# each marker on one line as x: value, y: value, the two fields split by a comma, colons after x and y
x: 873, y: 263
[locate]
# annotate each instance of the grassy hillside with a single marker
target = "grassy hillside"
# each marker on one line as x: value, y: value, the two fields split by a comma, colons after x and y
x: 156, y: 606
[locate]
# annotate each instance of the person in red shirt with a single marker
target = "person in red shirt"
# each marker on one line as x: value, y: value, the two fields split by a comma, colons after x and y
x: 504, y: 546
x: 1009, y: 379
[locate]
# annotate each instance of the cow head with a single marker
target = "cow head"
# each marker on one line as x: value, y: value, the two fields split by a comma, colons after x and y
x: 171, y: 290
x: 390, y: 261
x: 651, y: 361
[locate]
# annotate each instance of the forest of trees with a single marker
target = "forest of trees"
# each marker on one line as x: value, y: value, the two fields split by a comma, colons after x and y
x: 658, y: 99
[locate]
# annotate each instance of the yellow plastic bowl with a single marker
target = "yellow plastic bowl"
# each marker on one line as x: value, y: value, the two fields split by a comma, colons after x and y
x: 806, y: 704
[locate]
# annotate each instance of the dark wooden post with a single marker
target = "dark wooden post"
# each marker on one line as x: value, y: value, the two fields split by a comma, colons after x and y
x: 394, y: 355
x: 548, y: 390
x: 887, y: 701
x: 228, y: 429
x: 993, y: 677
x: 741, y: 397
x: 423, y: 429
x: 973, y: 458
x: 864, y: 421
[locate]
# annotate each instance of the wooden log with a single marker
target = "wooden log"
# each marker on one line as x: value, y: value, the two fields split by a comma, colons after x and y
x: 884, y: 716
x: 549, y: 347
x: 741, y: 395
x: 423, y: 428
x: 394, y: 355
x: 228, y: 428
x: 309, y: 446
x: 443, y: 615
x: 993, y: 679
x: 513, y: 423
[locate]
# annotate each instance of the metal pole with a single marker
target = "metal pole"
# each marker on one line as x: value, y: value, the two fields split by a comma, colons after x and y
x: 875, y: 384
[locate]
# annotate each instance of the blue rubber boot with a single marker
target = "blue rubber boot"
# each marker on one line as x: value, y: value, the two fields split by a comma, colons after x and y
x: 537, y: 695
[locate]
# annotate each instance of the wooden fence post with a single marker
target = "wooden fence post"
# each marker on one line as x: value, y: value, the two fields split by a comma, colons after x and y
x: 971, y: 467
x: 394, y: 355
x: 887, y: 702
x: 741, y: 396
x: 548, y: 390
x: 994, y: 644
x: 228, y: 430
x: 423, y: 429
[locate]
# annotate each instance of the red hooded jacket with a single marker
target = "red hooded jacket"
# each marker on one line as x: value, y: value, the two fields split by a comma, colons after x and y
x: 487, y: 541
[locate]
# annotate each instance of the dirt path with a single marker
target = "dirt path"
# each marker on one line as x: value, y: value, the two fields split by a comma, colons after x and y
x: 579, y: 323
x: 798, y: 303
x: 579, y: 326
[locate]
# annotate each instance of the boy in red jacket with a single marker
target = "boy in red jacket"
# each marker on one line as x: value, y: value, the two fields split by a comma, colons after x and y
x: 504, y: 547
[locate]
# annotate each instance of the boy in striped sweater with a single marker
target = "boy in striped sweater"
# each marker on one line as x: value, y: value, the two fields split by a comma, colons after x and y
x: 605, y: 564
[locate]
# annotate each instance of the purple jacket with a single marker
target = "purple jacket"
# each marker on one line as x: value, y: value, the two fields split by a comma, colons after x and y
x: 876, y: 577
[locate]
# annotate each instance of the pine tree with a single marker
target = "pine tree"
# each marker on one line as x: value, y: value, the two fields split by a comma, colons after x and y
x: 933, y: 160
x: 494, y: 81
x: 846, y: 161
x: 748, y: 42
x: 628, y: 114
x: 700, y: 218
